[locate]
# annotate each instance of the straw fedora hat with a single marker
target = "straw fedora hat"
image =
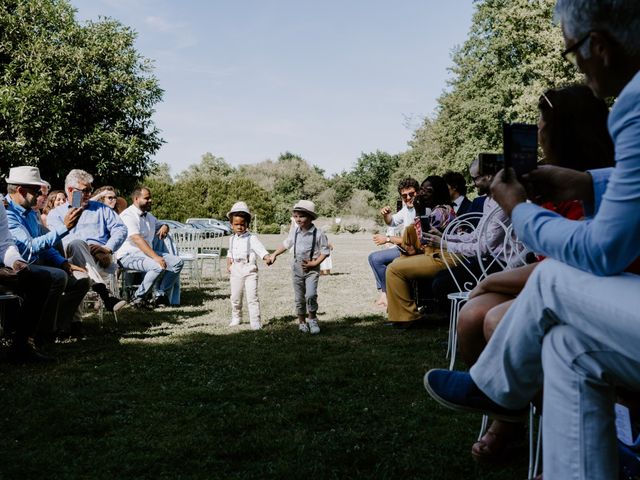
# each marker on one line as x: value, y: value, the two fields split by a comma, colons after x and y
x: 25, y: 176
x: 306, y: 206
x: 239, y: 207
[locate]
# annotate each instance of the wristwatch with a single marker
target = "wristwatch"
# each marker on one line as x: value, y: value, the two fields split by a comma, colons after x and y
x: 388, y: 239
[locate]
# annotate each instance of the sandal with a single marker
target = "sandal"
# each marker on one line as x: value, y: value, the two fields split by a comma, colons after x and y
x: 498, y: 442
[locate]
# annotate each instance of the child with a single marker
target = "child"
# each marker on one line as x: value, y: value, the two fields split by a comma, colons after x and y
x: 310, y: 248
x: 244, y: 250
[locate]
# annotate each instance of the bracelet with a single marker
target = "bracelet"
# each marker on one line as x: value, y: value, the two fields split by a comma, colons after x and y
x: 388, y: 239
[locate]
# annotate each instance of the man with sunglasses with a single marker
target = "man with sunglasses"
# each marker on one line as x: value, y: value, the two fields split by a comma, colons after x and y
x: 380, y: 259
x: 90, y: 243
x: 575, y: 328
x: 37, y: 245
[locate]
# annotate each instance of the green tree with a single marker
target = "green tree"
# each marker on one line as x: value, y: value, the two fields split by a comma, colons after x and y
x: 512, y: 54
x: 74, y: 96
x: 372, y: 172
x: 209, y: 166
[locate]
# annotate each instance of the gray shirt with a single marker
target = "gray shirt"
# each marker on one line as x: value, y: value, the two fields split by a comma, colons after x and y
x: 302, y: 241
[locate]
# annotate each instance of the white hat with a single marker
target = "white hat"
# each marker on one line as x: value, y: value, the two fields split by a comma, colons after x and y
x: 25, y: 176
x: 306, y: 206
x: 239, y: 207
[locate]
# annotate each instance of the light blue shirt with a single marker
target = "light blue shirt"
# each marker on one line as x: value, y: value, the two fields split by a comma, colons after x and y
x: 33, y: 240
x: 608, y: 241
x: 98, y: 224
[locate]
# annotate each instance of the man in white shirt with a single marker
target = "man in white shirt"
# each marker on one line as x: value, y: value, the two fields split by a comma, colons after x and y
x: 378, y: 260
x: 137, y: 251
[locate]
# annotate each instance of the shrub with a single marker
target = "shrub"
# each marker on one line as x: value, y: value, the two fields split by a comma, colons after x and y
x: 269, y: 228
x: 352, y: 228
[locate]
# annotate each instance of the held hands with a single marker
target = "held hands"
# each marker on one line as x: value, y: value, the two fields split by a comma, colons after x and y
x: 71, y: 218
x: 268, y: 259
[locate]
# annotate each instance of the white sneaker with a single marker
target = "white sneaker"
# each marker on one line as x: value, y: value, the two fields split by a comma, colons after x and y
x: 234, y: 322
x: 256, y: 326
x: 313, y: 326
x: 303, y: 327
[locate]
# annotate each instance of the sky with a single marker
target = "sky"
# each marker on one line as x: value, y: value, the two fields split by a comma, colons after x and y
x: 328, y: 80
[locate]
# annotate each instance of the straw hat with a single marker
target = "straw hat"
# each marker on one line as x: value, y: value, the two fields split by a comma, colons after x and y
x: 25, y: 176
x: 239, y: 207
x: 306, y: 206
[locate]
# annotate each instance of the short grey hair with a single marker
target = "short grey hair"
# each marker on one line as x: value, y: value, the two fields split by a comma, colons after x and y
x: 77, y: 176
x: 618, y: 18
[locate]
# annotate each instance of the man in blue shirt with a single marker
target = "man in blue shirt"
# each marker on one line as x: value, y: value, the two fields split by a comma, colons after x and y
x: 37, y: 246
x: 575, y: 328
x: 91, y: 241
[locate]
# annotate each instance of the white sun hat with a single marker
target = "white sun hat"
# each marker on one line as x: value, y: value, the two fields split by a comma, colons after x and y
x: 306, y: 206
x: 239, y: 207
x: 25, y: 176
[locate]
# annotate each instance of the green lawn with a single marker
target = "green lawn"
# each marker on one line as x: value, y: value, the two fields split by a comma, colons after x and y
x: 162, y: 398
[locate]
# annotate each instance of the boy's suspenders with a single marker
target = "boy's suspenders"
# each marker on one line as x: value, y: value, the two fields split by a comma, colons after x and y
x: 313, y: 243
x: 248, y: 248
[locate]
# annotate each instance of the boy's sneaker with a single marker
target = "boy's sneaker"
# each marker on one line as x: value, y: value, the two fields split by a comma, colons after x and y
x: 303, y: 327
x: 313, y: 326
x: 234, y: 322
x: 256, y: 326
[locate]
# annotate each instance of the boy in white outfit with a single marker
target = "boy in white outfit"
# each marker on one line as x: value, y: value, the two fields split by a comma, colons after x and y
x: 244, y: 250
x: 310, y: 248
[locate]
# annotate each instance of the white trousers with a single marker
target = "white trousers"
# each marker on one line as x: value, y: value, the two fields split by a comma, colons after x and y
x: 581, y: 334
x: 244, y: 278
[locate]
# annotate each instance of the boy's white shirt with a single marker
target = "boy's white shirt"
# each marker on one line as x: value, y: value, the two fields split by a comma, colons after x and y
x: 238, y: 247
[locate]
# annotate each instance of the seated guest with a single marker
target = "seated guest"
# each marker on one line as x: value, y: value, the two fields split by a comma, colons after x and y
x: 36, y: 243
x: 91, y: 242
x: 28, y: 319
x: 457, y: 191
x: 107, y: 195
x: 54, y: 199
x: 137, y: 252
x: 378, y: 260
x: 574, y: 327
x: 572, y: 132
x: 420, y: 263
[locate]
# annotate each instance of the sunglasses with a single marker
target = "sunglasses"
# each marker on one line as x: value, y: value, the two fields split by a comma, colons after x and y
x: 571, y: 53
x: 408, y: 195
x: 85, y: 191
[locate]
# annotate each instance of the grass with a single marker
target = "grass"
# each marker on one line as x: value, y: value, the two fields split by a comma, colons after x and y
x: 177, y: 394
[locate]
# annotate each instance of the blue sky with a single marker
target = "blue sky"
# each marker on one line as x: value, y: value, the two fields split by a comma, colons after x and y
x: 326, y: 79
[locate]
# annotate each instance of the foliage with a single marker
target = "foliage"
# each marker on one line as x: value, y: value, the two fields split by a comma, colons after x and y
x: 512, y: 54
x: 269, y: 228
x: 74, y: 96
x: 210, y: 166
x: 372, y: 172
x: 352, y: 228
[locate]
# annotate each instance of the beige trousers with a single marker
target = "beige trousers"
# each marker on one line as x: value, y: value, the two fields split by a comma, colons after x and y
x: 401, y: 306
x: 244, y: 278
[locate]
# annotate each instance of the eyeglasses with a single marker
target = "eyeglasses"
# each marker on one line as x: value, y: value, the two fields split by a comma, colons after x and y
x: 33, y: 190
x: 571, y: 53
x: 85, y: 191
x: 408, y: 195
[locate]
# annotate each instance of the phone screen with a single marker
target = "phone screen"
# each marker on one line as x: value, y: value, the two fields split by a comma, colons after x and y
x: 490, y: 163
x: 520, y: 147
x: 76, y: 199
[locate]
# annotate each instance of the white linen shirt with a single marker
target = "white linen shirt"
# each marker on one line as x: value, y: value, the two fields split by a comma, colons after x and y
x: 246, y: 247
x: 403, y: 218
x: 137, y: 223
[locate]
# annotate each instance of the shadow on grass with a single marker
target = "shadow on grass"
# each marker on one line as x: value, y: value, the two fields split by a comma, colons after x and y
x: 347, y: 403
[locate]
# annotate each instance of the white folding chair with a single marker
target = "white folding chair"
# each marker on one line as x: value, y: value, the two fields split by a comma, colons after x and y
x: 210, y: 249
x: 187, y: 242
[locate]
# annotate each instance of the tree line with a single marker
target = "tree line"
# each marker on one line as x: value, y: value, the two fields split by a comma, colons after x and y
x: 79, y: 96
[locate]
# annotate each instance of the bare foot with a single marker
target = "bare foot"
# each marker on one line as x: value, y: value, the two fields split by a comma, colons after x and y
x: 382, y: 300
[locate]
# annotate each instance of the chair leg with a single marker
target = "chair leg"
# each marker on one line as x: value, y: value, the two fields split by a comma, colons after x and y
x: 454, y: 334
x: 452, y: 309
x: 534, y: 452
x: 483, y: 427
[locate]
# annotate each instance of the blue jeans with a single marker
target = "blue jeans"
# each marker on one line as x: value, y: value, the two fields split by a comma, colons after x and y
x: 577, y: 334
x: 379, y: 261
x: 153, y: 270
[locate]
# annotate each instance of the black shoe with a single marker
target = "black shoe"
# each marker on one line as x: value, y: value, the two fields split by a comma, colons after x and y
x: 75, y: 330
x: 27, y: 353
x: 113, y: 304
x: 140, y: 303
x: 161, y: 301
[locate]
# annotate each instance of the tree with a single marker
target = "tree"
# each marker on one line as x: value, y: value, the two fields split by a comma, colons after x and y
x: 372, y: 172
x: 74, y: 96
x: 209, y: 166
x: 512, y: 54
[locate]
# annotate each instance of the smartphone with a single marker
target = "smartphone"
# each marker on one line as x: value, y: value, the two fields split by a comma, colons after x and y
x: 520, y: 142
x: 490, y: 163
x: 76, y: 199
x: 402, y: 250
x: 422, y: 225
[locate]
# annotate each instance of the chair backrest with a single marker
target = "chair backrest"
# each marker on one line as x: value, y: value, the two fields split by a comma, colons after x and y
x: 498, y: 244
x: 463, y: 225
x: 187, y: 241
